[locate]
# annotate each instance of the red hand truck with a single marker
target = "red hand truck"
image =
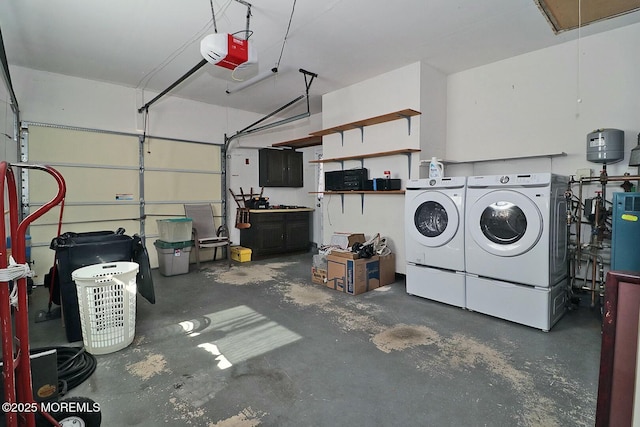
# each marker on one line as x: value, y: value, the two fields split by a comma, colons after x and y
x: 16, y: 369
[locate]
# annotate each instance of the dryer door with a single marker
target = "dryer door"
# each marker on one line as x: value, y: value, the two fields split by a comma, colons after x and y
x: 435, y: 218
x: 505, y: 223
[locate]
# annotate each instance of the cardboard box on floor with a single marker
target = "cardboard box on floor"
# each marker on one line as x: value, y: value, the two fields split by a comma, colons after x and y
x: 353, y: 276
x: 319, y: 275
x: 387, y: 269
x: 344, y: 254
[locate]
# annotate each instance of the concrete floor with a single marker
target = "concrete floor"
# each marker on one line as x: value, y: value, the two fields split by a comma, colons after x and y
x: 259, y: 344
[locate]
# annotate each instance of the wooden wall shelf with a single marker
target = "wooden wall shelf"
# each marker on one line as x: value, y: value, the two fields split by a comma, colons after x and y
x: 402, y: 114
x: 381, y: 192
x: 309, y: 141
x: 367, y: 156
x: 535, y: 156
x: 315, y: 138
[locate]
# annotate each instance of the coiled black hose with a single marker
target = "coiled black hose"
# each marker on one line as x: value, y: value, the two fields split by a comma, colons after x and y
x: 75, y: 366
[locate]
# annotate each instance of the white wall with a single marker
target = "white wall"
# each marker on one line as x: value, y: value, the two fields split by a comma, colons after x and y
x: 57, y: 99
x: 528, y: 105
x: 433, y: 121
x: 384, y: 214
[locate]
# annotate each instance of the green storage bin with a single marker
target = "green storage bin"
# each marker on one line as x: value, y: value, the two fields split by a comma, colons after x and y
x: 173, y: 257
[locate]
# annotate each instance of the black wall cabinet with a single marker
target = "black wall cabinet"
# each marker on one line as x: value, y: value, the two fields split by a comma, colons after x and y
x: 280, y: 168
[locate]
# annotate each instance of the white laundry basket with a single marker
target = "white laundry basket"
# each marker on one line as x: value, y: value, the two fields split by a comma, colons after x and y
x: 107, y: 304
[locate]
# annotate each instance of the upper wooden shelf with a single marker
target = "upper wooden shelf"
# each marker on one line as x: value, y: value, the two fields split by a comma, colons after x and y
x: 402, y: 114
x: 532, y: 156
x: 368, y: 155
x: 308, y: 141
x: 360, y: 192
x: 315, y: 138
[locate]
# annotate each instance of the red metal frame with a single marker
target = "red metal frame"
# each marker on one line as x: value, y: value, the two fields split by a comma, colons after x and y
x: 15, y: 349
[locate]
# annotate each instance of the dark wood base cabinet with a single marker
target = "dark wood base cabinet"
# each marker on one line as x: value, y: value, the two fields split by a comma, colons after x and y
x: 276, y: 232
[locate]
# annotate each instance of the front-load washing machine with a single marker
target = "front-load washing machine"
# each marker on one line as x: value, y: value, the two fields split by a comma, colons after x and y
x: 516, y: 253
x: 434, y: 236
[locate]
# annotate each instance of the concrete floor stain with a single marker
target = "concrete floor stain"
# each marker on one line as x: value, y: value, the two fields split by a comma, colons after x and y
x: 305, y: 295
x: 401, y: 337
x: 153, y: 364
x: 186, y: 413
x: 348, y: 318
x: 246, y: 418
x: 240, y: 275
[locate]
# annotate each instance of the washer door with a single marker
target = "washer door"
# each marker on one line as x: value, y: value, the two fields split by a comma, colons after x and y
x: 435, y: 218
x: 505, y: 223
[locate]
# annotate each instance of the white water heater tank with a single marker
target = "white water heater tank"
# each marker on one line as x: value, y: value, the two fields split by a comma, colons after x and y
x: 605, y: 146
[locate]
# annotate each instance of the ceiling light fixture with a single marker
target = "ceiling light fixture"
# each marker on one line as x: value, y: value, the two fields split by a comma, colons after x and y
x: 250, y: 82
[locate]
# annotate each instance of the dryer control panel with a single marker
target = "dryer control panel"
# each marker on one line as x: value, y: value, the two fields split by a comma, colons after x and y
x: 512, y: 180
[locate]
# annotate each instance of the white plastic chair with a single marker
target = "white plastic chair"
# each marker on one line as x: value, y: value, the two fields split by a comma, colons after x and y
x: 204, y: 233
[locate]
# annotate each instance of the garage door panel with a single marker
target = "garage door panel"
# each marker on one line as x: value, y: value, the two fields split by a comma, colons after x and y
x: 43, y: 234
x: 176, y: 209
x: 169, y: 154
x: 58, y: 145
x: 164, y: 210
x: 74, y: 214
x: 85, y: 184
x: 160, y: 186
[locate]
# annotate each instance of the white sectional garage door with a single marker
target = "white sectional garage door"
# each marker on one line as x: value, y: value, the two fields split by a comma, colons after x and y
x: 112, y: 182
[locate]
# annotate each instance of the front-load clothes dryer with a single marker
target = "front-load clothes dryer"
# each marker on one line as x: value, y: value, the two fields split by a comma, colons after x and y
x: 516, y: 228
x: 516, y: 247
x: 434, y: 236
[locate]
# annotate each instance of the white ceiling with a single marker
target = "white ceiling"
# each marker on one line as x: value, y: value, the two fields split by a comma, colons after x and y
x: 150, y: 44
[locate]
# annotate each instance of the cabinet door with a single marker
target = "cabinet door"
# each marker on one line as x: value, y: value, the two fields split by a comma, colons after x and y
x: 280, y: 168
x: 294, y: 169
x: 273, y: 167
x: 297, y: 232
x: 270, y: 237
x: 266, y: 234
